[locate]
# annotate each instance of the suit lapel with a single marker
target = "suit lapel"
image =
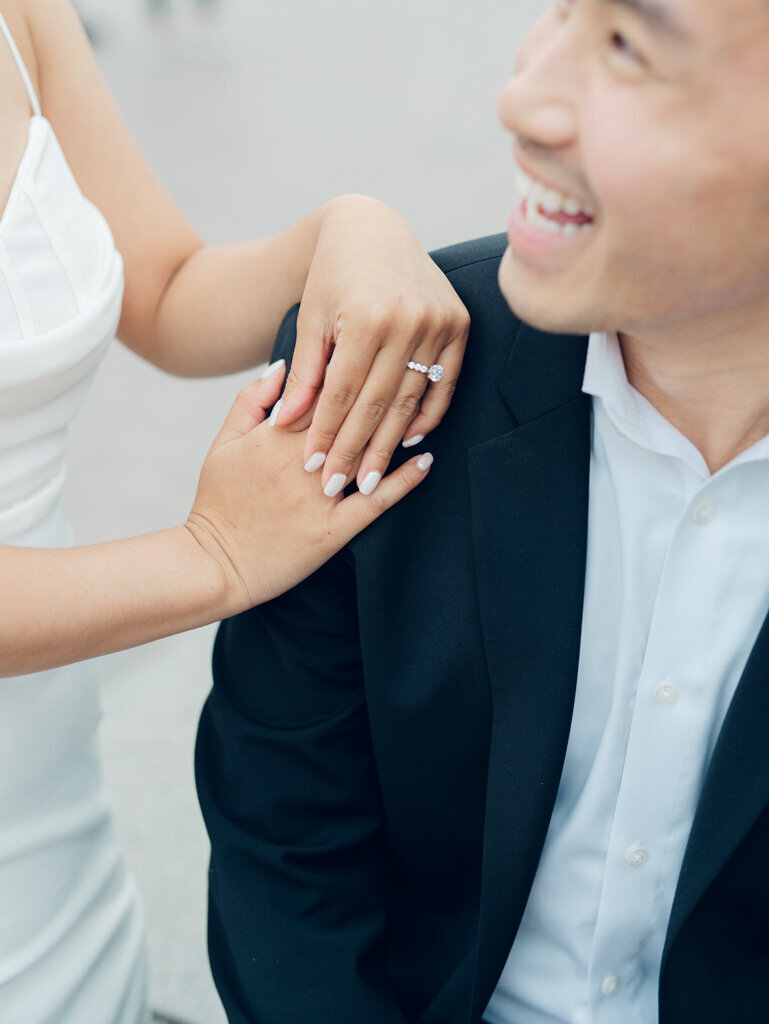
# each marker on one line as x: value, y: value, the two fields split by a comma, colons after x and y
x: 530, y: 497
x: 736, y: 788
x: 529, y: 500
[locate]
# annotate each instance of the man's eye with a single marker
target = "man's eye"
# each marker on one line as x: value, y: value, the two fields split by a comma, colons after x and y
x: 621, y: 45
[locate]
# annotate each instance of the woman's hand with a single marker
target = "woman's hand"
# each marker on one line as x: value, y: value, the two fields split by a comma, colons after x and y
x: 261, y: 517
x: 373, y: 301
x: 258, y: 526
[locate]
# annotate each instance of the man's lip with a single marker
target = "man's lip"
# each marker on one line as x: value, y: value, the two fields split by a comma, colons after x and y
x: 564, y: 190
x: 540, y: 248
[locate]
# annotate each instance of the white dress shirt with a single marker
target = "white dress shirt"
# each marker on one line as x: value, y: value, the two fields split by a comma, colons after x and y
x: 677, y: 588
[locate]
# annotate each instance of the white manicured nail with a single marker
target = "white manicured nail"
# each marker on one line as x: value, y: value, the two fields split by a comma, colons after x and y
x: 275, y: 412
x: 335, y: 485
x: 369, y: 482
x: 425, y: 461
x: 268, y: 372
x: 315, y: 462
x: 413, y: 440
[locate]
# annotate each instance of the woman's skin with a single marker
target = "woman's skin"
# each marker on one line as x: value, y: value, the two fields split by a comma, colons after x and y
x: 64, y: 605
x: 260, y: 522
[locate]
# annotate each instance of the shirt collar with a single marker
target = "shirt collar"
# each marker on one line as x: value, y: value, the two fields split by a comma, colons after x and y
x: 634, y: 416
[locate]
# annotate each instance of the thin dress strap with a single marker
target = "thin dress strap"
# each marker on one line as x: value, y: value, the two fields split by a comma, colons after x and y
x: 22, y: 69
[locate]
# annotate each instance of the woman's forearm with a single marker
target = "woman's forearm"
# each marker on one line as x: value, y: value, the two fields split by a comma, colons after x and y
x: 63, y: 605
x: 259, y: 524
x: 222, y: 309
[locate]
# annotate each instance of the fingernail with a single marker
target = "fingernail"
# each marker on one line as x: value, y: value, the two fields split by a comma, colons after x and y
x: 335, y: 485
x: 413, y: 440
x: 275, y: 412
x: 369, y: 482
x: 315, y: 462
x: 425, y: 461
x: 268, y: 372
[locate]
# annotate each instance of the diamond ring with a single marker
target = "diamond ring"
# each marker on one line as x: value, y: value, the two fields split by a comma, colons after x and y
x: 434, y: 372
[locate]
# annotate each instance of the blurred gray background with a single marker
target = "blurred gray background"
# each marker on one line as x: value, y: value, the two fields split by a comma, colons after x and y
x: 252, y: 114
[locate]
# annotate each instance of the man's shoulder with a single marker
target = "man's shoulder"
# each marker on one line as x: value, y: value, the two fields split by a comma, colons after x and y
x: 475, y: 253
x: 472, y: 268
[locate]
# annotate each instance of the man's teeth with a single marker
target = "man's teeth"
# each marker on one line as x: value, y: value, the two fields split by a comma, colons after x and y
x: 543, y: 223
x: 539, y: 200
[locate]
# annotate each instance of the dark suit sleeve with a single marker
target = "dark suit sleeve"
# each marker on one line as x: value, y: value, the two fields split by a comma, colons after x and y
x: 289, y: 792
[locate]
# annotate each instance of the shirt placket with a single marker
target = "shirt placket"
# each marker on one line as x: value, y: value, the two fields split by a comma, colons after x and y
x: 661, y: 775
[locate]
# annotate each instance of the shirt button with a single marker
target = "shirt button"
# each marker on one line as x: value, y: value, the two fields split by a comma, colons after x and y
x: 610, y: 985
x: 636, y: 856
x: 666, y: 695
x: 703, y: 513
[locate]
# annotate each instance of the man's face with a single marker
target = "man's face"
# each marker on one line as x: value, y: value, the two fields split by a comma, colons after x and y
x: 652, y: 117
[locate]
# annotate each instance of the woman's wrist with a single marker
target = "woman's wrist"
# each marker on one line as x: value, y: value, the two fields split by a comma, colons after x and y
x: 215, y: 589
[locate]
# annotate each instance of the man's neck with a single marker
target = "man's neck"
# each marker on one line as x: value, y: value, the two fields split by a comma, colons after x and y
x: 713, y: 387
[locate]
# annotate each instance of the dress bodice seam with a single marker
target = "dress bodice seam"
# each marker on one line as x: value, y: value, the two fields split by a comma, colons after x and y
x: 59, y: 246
x: 19, y: 299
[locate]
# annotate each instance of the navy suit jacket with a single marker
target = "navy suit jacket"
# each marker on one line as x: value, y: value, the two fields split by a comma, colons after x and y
x: 379, y: 758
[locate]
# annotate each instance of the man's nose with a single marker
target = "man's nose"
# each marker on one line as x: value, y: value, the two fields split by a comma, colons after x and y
x: 539, y: 102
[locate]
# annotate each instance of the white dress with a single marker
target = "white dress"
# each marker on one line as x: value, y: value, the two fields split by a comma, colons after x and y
x: 71, y: 925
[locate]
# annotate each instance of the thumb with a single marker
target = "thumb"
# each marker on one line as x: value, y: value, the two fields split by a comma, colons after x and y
x: 251, y: 404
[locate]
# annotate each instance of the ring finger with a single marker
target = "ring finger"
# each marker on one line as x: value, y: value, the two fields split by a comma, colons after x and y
x: 363, y: 419
x: 390, y: 431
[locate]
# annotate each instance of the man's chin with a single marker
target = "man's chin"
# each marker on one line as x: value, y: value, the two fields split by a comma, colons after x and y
x: 539, y: 307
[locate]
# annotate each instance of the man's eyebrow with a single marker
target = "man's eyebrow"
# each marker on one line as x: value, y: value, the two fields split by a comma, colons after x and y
x: 659, y: 16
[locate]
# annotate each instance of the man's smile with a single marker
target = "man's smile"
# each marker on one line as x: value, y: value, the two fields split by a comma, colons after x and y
x: 547, y: 222
x: 550, y: 210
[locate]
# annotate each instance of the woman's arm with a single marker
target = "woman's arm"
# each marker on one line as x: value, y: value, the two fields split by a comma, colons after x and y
x: 64, y: 605
x: 370, y: 294
x: 258, y: 526
x: 188, y: 309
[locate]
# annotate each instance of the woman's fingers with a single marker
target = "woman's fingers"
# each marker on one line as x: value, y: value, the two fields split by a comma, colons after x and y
x: 370, y: 400
x: 375, y: 298
x: 352, y: 366
x: 438, y: 396
x: 312, y: 352
x: 377, y: 401
x: 251, y: 404
x: 358, y: 425
x: 387, y: 436
x: 357, y: 511
x: 415, y: 410
x: 265, y: 522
